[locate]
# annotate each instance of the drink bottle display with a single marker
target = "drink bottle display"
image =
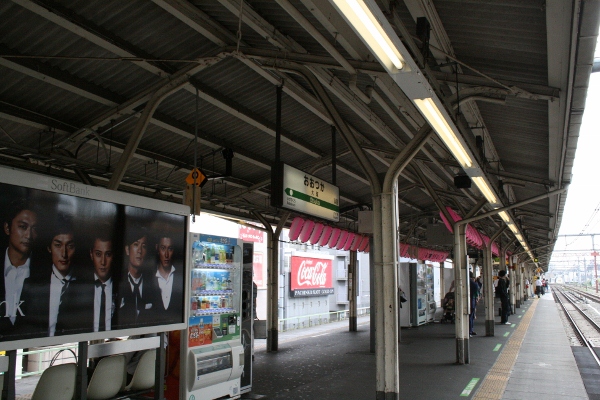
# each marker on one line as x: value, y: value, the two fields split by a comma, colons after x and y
x: 214, y: 335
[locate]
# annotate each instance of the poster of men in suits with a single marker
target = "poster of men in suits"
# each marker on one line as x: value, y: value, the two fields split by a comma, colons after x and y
x: 74, y: 265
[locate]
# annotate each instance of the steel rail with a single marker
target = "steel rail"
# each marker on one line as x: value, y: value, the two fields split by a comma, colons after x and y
x: 585, y: 294
x: 578, y: 332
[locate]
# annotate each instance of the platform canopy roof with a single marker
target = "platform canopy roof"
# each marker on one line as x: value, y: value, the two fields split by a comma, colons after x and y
x: 78, y: 76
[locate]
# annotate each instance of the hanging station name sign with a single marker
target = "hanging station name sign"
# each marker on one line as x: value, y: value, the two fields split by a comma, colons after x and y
x: 308, y: 194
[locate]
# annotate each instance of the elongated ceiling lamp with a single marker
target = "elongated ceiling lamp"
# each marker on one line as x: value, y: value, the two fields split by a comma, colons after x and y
x: 435, y: 118
x: 368, y: 26
x: 369, y: 23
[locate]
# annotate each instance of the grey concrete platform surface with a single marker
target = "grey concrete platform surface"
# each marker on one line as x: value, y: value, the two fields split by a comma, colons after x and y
x: 545, y: 367
x: 328, y: 362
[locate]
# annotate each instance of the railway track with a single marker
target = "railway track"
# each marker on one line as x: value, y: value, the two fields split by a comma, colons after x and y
x: 588, y: 295
x: 584, y: 323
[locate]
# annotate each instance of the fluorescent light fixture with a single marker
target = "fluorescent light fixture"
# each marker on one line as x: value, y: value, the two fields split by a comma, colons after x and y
x: 487, y: 192
x: 438, y: 122
x: 370, y: 30
x: 513, y: 228
x: 504, y: 216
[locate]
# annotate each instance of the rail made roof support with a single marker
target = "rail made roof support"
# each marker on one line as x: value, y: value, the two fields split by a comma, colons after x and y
x: 134, y: 140
x: 488, y: 283
x: 273, y: 278
x: 387, y: 316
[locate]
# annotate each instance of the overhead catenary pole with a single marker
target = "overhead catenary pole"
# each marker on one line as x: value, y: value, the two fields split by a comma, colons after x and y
x: 595, y: 254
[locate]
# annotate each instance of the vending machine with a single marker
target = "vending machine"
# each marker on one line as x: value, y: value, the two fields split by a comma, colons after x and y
x: 212, y: 355
x: 413, y: 281
x: 430, y: 287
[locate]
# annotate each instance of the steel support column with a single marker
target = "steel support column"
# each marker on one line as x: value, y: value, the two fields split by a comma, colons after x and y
x: 488, y: 282
x: 511, y: 277
x: 82, y: 378
x: 462, y: 298
x: 352, y: 284
x: 519, y: 276
x: 389, y: 265
x: 373, y: 299
x: 273, y: 279
x: 521, y: 284
x: 461, y: 293
x: 8, y: 389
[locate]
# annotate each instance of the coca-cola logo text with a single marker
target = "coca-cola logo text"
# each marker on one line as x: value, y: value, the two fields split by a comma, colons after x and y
x: 312, y: 275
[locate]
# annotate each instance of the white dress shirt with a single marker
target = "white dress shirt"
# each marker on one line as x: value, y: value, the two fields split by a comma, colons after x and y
x: 13, y: 286
x: 108, y: 307
x: 166, y: 286
x: 56, y: 285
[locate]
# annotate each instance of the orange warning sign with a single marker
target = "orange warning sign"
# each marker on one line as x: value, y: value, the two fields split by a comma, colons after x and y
x: 196, y: 176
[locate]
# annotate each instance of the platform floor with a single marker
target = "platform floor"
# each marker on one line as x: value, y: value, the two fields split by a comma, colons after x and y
x: 531, y: 358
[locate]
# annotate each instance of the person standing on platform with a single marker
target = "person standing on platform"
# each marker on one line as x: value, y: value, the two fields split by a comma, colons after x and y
x: 544, y: 286
x: 538, y: 286
x: 474, y: 296
x: 480, y: 284
x: 503, y: 283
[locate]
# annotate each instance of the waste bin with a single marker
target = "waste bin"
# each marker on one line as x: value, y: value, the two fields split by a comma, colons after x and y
x: 260, y: 329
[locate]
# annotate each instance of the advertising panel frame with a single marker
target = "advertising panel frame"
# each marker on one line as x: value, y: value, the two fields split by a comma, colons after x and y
x: 312, y: 290
x: 60, y: 186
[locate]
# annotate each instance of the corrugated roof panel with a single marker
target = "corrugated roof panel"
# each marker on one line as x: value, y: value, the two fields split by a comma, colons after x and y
x: 513, y: 47
x: 230, y: 20
x: 157, y: 34
x: 516, y: 135
x: 40, y: 97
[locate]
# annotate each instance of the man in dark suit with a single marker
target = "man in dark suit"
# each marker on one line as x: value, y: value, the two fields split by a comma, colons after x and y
x: 61, y: 295
x: 137, y: 293
x: 104, y: 296
x: 20, y: 226
x: 170, y: 282
x: 96, y: 290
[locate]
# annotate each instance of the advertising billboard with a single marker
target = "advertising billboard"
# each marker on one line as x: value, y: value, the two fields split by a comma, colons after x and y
x: 249, y: 234
x: 310, y: 276
x: 84, y: 263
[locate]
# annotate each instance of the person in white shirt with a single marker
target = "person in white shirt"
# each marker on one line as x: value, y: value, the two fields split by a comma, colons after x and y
x: 538, y: 286
x: 20, y: 227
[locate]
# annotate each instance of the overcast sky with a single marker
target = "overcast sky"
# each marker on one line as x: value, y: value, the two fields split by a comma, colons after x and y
x: 582, y: 210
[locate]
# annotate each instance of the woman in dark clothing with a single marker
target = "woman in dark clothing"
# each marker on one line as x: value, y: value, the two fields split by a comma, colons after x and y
x: 503, y: 294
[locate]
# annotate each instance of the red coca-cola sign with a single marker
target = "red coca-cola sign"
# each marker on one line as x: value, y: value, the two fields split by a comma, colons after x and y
x: 311, y: 276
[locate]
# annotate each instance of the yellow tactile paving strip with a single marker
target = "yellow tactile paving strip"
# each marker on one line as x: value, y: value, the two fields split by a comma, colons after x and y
x: 494, y: 383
